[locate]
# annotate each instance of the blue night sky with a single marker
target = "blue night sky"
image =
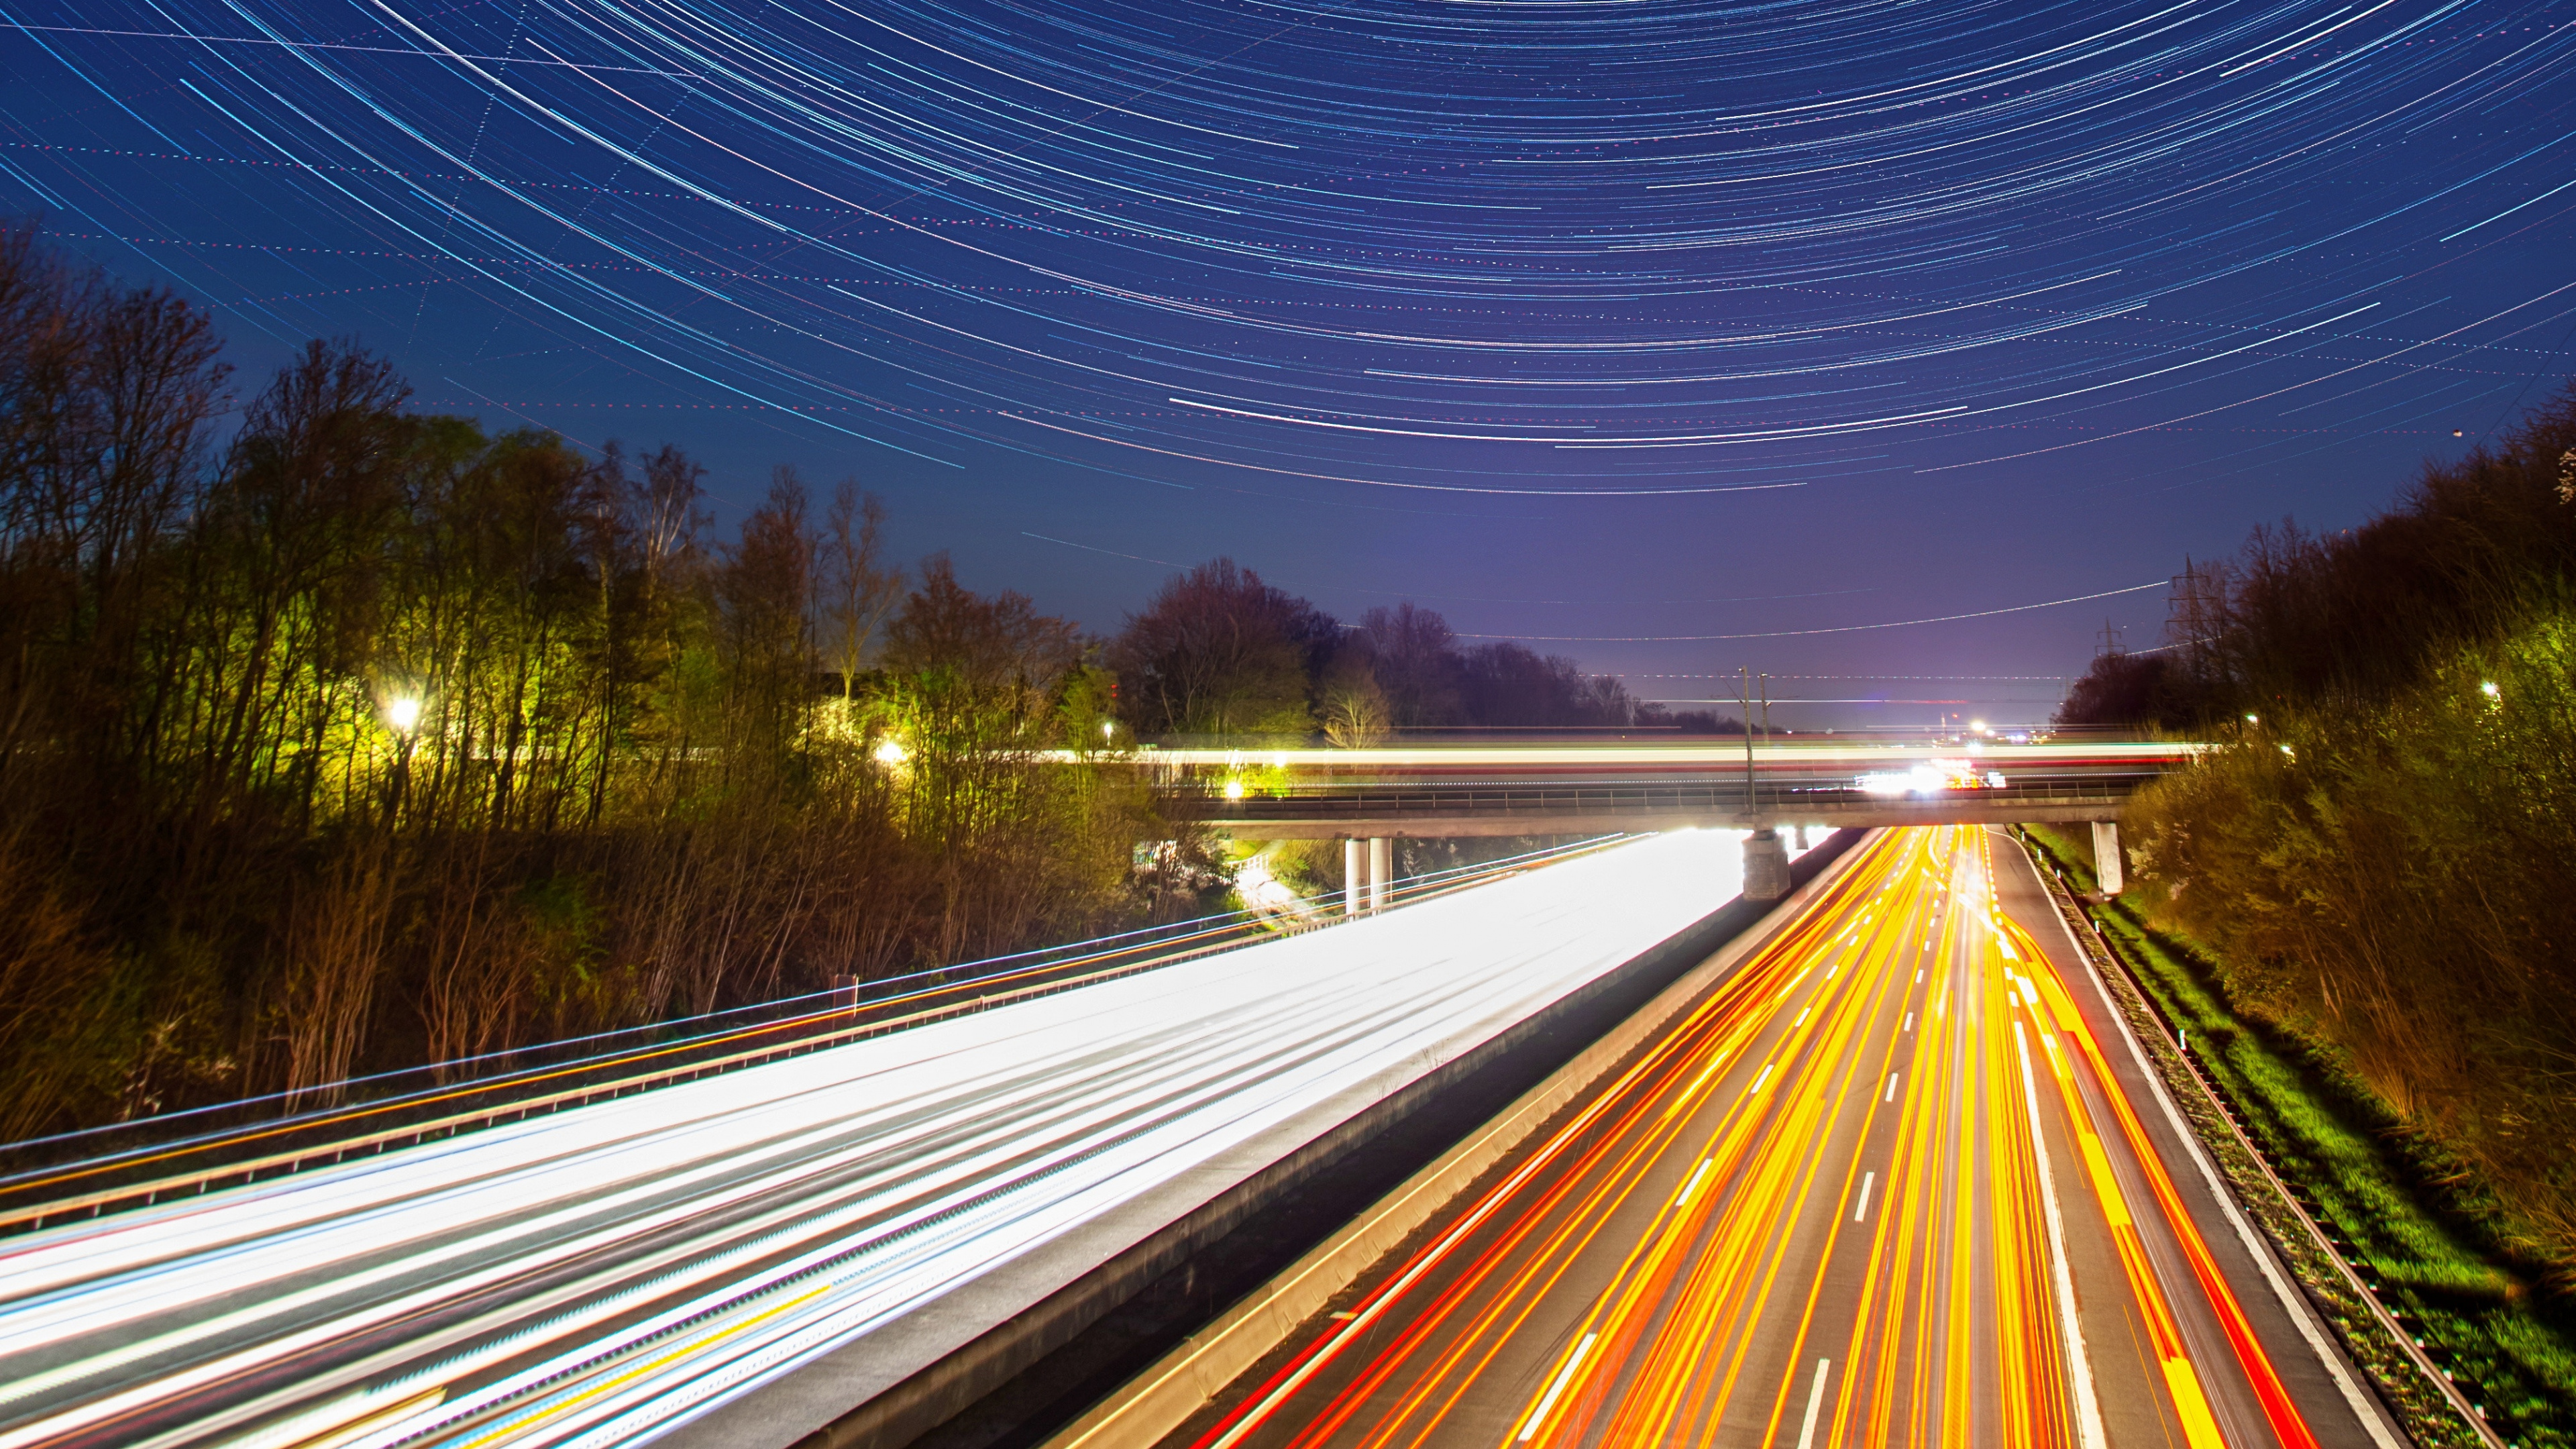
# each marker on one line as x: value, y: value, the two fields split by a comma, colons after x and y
x: 1599, y: 324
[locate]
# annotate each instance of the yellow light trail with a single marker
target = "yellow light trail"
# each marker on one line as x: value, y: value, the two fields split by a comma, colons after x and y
x: 1792, y: 1221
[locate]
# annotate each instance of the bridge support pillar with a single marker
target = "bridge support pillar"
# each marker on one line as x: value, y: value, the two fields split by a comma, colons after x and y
x: 1381, y: 869
x: 2106, y: 856
x: 1766, y: 866
x: 1354, y: 877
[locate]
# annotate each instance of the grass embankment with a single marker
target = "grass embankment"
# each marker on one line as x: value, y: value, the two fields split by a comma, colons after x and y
x: 2418, y: 1228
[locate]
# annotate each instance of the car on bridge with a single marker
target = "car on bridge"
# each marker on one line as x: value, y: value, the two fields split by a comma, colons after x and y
x: 1930, y: 778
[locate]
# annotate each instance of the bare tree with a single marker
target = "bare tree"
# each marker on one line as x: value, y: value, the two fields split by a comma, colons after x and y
x: 1218, y: 652
x: 1416, y: 658
x: 855, y: 588
x: 1356, y: 716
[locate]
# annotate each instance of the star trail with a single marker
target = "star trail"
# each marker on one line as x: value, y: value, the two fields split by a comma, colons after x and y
x: 1669, y: 300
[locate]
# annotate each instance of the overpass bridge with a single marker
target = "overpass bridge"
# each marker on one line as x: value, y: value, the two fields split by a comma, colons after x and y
x: 1370, y: 797
x: 855, y: 1245
x: 845, y: 1245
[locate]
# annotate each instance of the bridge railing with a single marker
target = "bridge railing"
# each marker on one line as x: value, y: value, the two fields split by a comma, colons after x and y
x: 1714, y: 798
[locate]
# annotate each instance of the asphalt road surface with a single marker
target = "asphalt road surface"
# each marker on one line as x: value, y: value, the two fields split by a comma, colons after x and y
x: 1900, y: 1180
x: 679, y: 1258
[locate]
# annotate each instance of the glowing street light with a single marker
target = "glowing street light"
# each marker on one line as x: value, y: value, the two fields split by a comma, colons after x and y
x: 1109, y: 729
x: 403, y: 714
x: 891, y: 752
x: 2488, y: 688
x: 1234, y: 789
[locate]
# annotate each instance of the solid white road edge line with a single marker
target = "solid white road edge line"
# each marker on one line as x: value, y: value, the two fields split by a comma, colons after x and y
x: 2365, y: 1405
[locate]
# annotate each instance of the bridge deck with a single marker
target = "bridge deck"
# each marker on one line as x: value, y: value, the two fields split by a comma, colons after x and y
x: 1424, y: 813
x: 1598, y: 788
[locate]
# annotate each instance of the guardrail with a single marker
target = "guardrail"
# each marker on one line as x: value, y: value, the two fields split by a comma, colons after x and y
x: 140, y: 1163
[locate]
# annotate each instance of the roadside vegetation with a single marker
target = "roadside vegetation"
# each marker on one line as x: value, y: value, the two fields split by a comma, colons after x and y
x: 2412, y: 1220
x: 338, y: 738
x: 2362, y: 901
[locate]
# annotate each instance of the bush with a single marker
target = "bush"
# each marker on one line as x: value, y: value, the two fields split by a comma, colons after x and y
x: 2398, y: 883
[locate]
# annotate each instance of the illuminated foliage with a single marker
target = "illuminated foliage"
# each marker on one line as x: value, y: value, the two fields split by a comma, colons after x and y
x: 373, y: 739
x: 2380, y: 854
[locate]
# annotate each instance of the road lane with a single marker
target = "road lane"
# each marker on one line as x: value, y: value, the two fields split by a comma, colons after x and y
x: 605, y: 1274
x: 1886, y: 1185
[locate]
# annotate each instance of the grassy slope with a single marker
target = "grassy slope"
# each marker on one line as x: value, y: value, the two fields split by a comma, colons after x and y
x: 2411, y: 1224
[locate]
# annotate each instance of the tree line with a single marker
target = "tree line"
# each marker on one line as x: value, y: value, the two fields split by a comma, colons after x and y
x: 337, y: 737
x: 2381, y: 854
x: 1218, y: 654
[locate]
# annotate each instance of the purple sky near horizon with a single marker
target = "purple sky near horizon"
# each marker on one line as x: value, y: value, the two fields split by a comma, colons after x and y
x: 1609, y: 325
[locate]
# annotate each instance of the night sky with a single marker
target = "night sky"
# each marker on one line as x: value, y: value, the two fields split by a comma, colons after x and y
x: 1602, y: 325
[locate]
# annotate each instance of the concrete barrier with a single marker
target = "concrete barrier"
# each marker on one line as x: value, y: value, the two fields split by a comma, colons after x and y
x: 994, y: 1343
x: 1163, y: 1397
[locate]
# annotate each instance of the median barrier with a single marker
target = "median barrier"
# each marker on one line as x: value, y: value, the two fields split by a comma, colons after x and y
x: 977, y: 1338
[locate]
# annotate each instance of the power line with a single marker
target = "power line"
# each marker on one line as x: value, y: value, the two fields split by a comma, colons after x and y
x: 1890, y: 678
x: 1798, y: 633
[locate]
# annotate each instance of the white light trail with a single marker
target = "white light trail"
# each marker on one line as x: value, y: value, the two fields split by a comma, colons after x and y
x: 597, y: 1275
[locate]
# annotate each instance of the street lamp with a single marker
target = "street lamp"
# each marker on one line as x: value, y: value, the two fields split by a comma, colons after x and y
x: 402, y: 716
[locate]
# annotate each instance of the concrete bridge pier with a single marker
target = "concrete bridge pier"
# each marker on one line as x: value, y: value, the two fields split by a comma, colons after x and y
x: 2106, y: 856
x: 1368, y: 867
x: 1766, y: 866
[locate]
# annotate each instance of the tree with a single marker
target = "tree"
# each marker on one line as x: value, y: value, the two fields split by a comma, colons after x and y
x: 1508, y: 683
x: 1218, y: 652
x: 1356, y: 716
x: 764, y: 597
x: 1415, y: 658
x: 856, y: 591
x: 2134, y: 690
x: 105, y: 401
x: 988, y: 642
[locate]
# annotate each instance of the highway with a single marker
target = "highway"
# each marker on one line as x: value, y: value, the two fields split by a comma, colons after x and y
x: 1899, y: 1180
x: 618, y: 1271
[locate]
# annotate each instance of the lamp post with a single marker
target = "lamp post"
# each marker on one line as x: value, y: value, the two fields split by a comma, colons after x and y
x: 1744, y: 698
x: 402, y: 716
